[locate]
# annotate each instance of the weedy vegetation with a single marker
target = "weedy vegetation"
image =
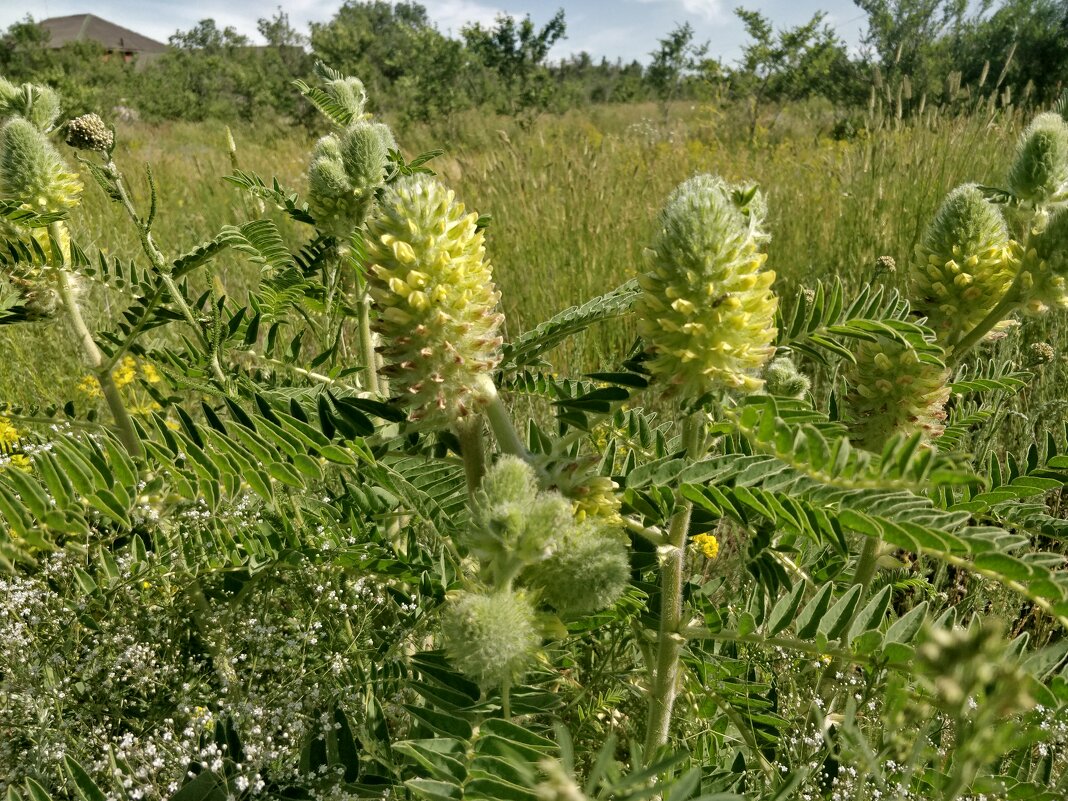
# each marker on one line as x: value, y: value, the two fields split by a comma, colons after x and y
x: 304, y: 496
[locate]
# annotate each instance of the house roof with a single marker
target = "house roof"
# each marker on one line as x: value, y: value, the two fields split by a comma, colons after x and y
x: 89, y: 27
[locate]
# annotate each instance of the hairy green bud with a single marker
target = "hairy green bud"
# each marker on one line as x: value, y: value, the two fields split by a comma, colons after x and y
x: 38, y: 104
x: 707, y: 309
x: 509, y: 480
x: 339, y: 207
x: 89, y: 132
x: 365, y: 150
x: 894, y: 389
x: 511, y: 532
x: 436, y: 301
x: 588, y: 571
x: 1040, y: 171
x: 964, y: 264
x: 490, y: 638
x: 349, y: 93
x: 32, y: 172
x: 783, y: 379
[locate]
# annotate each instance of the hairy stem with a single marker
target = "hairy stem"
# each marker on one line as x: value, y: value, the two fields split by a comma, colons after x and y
x: 469, y: 432
x: 123, y: 422
x: 670, y: 639
x: 159, y: 262
x: 367, y: 342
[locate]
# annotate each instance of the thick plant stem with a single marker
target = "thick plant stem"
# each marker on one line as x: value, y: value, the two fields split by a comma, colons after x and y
x: 500, y: 421
x: 469, y: 432
x: 670, y: 638
x: 123, y: 422
x: 1003, y: 309
x: 865, y: 570
x: 367, y: 343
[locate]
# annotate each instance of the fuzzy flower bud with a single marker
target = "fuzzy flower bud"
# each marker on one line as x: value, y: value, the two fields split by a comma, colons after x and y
x: 350, y: 94
x: 1040, y: 171
x: 37, y: 104
x: 365, y: 150
x: 894, y: 390
x: 437, y: 304
x: 707, y: 309
x: 515, y: 525
x: 89, y: 132
x: 490, y: 637
x: 964, y: 264
x: 783, y: 379
x: 588, y: 571
x: 344, y: 174
x: 31, y: 170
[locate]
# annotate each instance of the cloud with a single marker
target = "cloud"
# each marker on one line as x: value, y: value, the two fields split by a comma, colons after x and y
x: 703, y: 9
x: 451, y: 15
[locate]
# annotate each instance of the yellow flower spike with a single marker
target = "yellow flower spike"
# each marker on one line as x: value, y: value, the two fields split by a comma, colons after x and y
x: 440, y: 331
x: 891, y: 390
x: 706, y: 310
x: 966, y: 230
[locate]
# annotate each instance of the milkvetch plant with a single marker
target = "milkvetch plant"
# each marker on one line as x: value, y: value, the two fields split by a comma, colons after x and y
x: 328, y: 559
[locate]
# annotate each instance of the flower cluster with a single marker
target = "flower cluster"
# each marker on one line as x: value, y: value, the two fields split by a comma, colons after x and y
x: 437, y: 305
x: 964, y: 264
x: 707, y: 309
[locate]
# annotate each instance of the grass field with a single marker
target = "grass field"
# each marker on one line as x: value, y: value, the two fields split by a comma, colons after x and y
x: 573, y: 201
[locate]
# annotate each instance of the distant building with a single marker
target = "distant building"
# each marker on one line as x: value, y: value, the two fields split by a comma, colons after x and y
x: 115, y: 39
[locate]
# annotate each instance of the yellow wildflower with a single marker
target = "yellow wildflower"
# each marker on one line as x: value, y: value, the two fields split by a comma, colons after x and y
x: 707, y: 544
x: 90, y: 386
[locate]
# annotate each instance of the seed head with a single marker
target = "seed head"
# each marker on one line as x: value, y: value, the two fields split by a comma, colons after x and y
x: 885, y: 265
x: 89, y: 132
x: 1041, y: 353
x: 964, y: 265
x: 707, y: 309
x: 436, y: 301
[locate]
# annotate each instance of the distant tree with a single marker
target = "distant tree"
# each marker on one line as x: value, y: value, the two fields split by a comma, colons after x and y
x: 1034, y: 33
x: 914, y: 38
x: 406, y: 63
x: 791, y: 64
x: 516, y: 51
x: 677, y: 58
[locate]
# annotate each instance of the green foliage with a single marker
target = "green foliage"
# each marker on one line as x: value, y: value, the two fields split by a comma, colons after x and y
x: 257, y: 573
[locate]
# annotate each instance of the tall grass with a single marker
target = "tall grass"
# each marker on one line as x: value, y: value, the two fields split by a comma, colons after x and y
x: 573, y: 201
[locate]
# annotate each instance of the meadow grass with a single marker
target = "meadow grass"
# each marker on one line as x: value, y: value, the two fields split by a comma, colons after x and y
x: 574, y: 200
